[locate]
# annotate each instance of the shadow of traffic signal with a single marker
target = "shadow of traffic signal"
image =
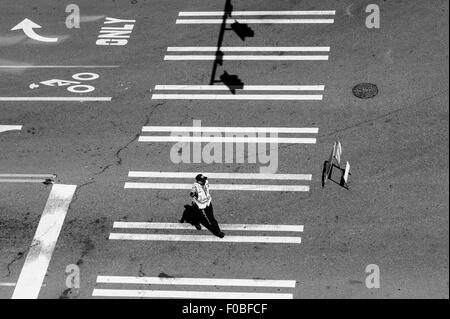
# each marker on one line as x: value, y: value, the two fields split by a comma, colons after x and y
x: 242, y: 30
x: 232, y: 82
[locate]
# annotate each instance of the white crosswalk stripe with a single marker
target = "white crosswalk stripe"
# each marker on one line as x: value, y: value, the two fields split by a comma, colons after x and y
x: 197, y: 281
x: 238, y: 96
x: 211, y: 175
x: 217, y: 186
x: 254, y: 21
x: 122, y: 293
x: 235, y: 227
x: 280, y: 130
x: 222, y: 187
x: 256, y: 13
x: 244, y: 88
x: 208, y: 238
x: 249, y: 49
x: 231, y: 134
x: 213, y: 139
x: 277, y: 97
x: 253, y: 57
x: 247, y: 57
x: 208, y: 284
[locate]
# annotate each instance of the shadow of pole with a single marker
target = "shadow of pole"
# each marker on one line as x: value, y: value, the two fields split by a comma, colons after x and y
x: 219, y: 54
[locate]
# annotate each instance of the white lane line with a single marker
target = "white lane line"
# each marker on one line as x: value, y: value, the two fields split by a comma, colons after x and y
x: 4, y: 128
x: 257, y: 176
x: 207, y: 238
x: 255, y: 13
x: 12, y: 284
x: 244, y: 88
x: 197, y: 281
x: 6, y: 180
x: 283, y: 130
x: 44, y: 241
x: 247, y: 57
x: 216, y: 139
x: 231, y: 227
x: 57, y: 66
x: 186, y: 294
x: 28, y: 175
x: 53, y: 99
x: 25, y: 178
x: 251, y: 21
x: 249, y: 49
x: 228, y: 187
x: 276, y: 97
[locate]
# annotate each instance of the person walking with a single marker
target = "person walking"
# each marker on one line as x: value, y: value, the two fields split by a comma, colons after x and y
x: 201, y: 200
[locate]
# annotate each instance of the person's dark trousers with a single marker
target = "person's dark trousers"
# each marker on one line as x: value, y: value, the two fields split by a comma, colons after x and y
x: 209, y: 211
x: 207, y: 219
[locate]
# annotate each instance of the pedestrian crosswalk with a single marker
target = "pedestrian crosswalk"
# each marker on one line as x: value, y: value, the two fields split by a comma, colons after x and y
x: 238, y: 95
x: 217, y: 186
x: 212, y: 288
x: 243, y: 228
x: 277, y: 54
x: 228, y: 90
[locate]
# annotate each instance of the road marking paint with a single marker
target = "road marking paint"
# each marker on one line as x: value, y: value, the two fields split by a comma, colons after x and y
x: 28, y: 26
x: 56, y: 66
x: 228, y: 187
x: 25, y: 178
x: 257, y: 176
x: 13, y: 284
x: 44, y: 241
x: 6, y: 180
x: 29, y: 175
x: 216, y: 139
x: 197, y: 281
x: 277, y: 97
x: 248, y: 49
x: 53, y: 99
x: 231, y: 227
x: 207, y: 238
x: 286, y: 130
x: 4, y: 128
x: 250, y: 21
x: 186, y: 294
x: 244, y: 88
x: 255, y: 13
x: 246, y: 57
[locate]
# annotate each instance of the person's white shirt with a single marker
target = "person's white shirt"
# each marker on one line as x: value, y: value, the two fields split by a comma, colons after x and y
x: 202, y: 197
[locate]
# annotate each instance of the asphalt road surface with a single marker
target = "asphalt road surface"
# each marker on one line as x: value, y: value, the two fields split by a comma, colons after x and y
x: 315, y: 242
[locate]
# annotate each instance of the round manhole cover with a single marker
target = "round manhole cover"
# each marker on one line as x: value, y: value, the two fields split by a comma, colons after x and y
x: 365, y: 90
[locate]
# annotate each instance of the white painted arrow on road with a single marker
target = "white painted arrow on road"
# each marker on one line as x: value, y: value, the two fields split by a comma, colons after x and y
x: 27, y: 26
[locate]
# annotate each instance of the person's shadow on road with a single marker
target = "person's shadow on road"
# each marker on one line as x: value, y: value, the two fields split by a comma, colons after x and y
x: 194, y: 217
x: 190, y: 216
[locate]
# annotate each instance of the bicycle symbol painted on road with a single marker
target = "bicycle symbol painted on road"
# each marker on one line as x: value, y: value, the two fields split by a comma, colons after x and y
x: 73, y: 86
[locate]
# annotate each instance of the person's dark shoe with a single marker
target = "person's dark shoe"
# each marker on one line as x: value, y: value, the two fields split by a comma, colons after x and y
x: 220, y: 235
x: 198, y: 227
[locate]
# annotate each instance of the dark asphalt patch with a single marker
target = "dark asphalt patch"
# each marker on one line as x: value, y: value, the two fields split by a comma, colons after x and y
x: 365, y: 90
